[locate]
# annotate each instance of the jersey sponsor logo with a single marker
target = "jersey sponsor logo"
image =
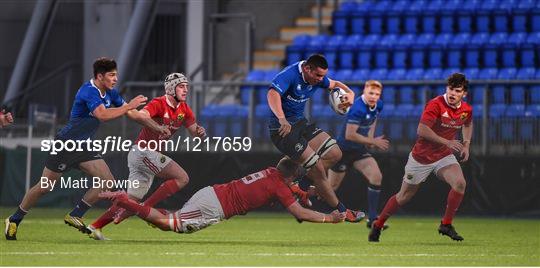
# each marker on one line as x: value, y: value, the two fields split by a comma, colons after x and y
x: 445, y: 114
x: 463, y: 116
x: 289, y: 97
x: 451, y: 126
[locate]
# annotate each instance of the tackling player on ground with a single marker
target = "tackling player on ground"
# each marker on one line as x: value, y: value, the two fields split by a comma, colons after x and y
x: 356, y: 136
x: 172, y: 112
x: 291, y: 132
x: 434, y: 151
x: 94, y: 103
x: 213, y: 204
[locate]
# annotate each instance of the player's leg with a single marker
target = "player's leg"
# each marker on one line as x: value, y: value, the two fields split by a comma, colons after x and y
x: 335, y: 178
x: 371, y: 171
x: 29, y: 200
x: 326, y: 147
x: 175, y: 178
x: 453, y: 175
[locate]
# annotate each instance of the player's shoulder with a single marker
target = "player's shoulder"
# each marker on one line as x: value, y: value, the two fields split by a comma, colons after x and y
x: 437, y: 101
x: 87, y: 89
x: 466, y: 107
x: 380, y: 105
x: 290, y: 71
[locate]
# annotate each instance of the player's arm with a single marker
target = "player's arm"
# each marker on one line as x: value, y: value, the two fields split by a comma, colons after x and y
x: 274, y: 101
x: 304, y: 214
x: 195, y: 130
x: 349, y: 97
x: 352, y: 135
x: 466, y: 132
x: 104, y: 114
x: 143, y: 117
x: 424, y: 131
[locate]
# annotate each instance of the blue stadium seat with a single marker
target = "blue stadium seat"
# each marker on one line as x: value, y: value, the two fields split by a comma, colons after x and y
x: 340, y: 17
x: 448, y: 16
x: 379, y: 74
x: 295, y: 51
x: 348, y: 50
x: 497, y: 110
x: 322, y: 115
x: 418, y: 50
x: 478, y: 111
x: 412, y: 15
x: 534, y: 93
x: 511, y: 47
x: 471, y: 73
x: 376, y: 17
x: 473, y: 48
x: 415, y: 74
x: 364, y: 58
x: 245, y: 91
x: 465, y: 16
x: 401, y: 49
x: 397, y: 74
x: 517, y: 94
x: 533, y: 110
x: 225, y: 120
x: 430, y: 15
x: 331, y: 50
x: 521, y: 15
x: 343, y: 75
x: 483, y: 15
x: 501, y: 16
x: 262, y: 113
x: 433, y: 74
x: 508, y: 126
x: 527, y: 50
x: 316, y: 44
x: 437, y: 50
x: 388, y: 95
x: 477, y: 94
x: 491, y: 49
x: 498, y: 94
x: 488, y: 73
x: 406, y: 95
x: 394, y: 16
x: 526, y: 73
x: 361, y: 74
x: 359, y: 17
x: 535, y: 19
x: 388, y: 109
x: 382, y: 52
x: 507, y: 73
x: 454, y: 56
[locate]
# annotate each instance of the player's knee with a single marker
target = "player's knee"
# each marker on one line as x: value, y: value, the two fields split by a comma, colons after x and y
x: 459, y: 186
x: 333, y: 155
x: 375, y: 179
x: 403, y: 197
x: 182, y: 181
x: 311, y: 161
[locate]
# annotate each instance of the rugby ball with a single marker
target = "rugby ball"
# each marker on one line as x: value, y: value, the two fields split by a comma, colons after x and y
x: 335, y: 99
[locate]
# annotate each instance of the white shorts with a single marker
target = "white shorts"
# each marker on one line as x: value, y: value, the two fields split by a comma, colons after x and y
x: 143, y: 166
x: 200, y: 211
x: 416, y: 173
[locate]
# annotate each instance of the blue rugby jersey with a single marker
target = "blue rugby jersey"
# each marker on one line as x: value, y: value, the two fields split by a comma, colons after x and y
x: 363, y: 116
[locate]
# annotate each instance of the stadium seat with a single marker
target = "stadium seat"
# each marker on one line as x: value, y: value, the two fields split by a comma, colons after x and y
x: 382, y: 51
x: 415, y: 74
x: 507, y: 73
x: 401, y: 49
x: 418, y: 50
x: 359, y: 17
x: 433, y: 74
x: 508, y: 126
x: 262, y: 113
x: 429, y: 16
x: 521, y: 14
x: 472, y: 49
x: 527, y: 50
x: 497, y: 110
x: 412, y: 15
x: 340, y: 17
x: 366, y: 46
x: 465, y: 15
x: 491, y: 49
x: 478, y: 111
x: 331, y: 50
x: 376, y: 17
x: 533, y: 110
x: 406, y: 95
x: 471, y: 73
x: 448, y: 16
x: 498, y: 94
x: 394, y: 16
x: 322, y: 115
x: 476, y: 94
x: 316, y: 44
x: 517, y: 94
x: 295, y: 52
x: 245, y: 91
x: 535, y: 19
x: 534, y: 93
x: 511, y: 47
x: 488, y: 73
x: 397, y: 74
x: 348, y: 50
x: 483, y: 16
x: 501, y: 16
x: 455, y: 50
x: 388, y: 95
x: 379, y: 74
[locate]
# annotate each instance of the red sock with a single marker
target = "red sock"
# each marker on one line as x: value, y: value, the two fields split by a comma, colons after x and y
x: 140, y: 210
x: 105, y: 218
x: 452, y: 205
x: 165, y: 190
x: 390, y: 208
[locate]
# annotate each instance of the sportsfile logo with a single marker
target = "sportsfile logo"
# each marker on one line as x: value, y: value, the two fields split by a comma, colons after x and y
x: 118, y: 144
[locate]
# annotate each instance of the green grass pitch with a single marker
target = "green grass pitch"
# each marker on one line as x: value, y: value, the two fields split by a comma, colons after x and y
x: 273, y: 239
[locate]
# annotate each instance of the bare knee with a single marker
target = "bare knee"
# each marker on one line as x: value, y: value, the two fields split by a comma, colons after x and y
x: 459, y: 186
x: 375, y: 179
x: 333, y: 156
x: 404, y: 197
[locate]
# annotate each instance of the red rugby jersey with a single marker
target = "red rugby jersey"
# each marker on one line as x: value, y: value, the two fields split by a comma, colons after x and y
x: 445, y: 121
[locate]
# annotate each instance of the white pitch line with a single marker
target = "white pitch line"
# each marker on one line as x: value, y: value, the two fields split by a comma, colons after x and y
x: 292, y: 254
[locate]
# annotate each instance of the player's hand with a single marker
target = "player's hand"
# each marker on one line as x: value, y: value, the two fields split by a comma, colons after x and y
x: 464, y: 154
x: 347, y: 99
x: 137, y: 101
x: 337, y: 217
x: 285, y: 127
x: 303, y: 197
x: 381, y: 143
x: 201, y: 132
x: 164, y: 131
x: 454, y: 145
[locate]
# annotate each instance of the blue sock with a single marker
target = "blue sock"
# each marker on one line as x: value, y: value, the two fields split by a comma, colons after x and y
x: 373, y: 201
x: 341, y: 208
x: 80, y: 209
x: 18, y: 216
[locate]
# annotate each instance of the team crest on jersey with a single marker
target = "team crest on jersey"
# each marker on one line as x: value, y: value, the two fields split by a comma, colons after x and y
x: 62, y: 167
x: 180, y: 117
x: 409, y: 176
x: 162, y: 159
x: 463, y: 116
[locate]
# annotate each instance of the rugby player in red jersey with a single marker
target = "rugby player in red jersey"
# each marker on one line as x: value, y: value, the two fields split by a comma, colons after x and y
x: 144, y: 162
x: 213, y: 204
x: 434, y: 152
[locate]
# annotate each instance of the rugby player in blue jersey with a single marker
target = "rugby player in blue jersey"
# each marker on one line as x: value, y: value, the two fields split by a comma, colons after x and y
x: 299, y: 139
x: 96, y: 101
x: 357, y: 135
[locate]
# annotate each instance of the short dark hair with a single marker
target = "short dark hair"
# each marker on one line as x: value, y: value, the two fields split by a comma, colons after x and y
x: 456, y: 80
x: 287, y: 167
x: 103, y: 65
x: 317, y: 61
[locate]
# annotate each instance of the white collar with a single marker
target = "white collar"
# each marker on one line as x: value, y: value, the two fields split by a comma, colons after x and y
x: 455, y: 107
x: 365, y: 102
x: 170, y: 104
x: 300, y: 70
x: 94, y: 85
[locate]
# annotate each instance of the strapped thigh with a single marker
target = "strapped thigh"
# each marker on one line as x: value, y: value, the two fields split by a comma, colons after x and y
x: 326, y: 146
